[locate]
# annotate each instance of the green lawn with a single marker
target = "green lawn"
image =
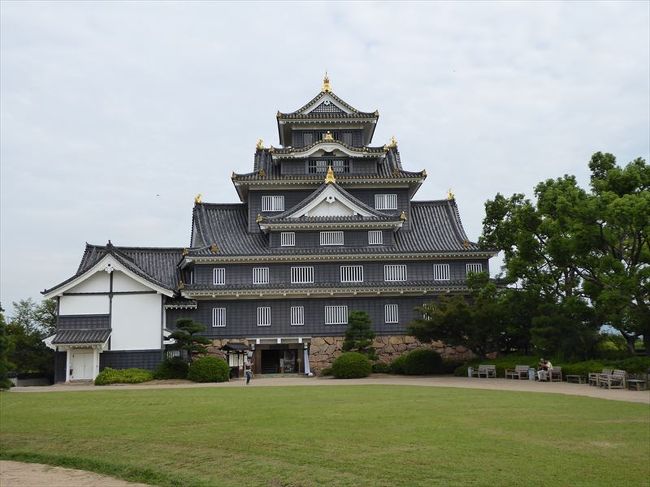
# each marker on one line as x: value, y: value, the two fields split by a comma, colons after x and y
x: 346, y: 435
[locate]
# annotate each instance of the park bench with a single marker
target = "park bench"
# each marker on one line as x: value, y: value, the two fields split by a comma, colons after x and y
x: 615, y: 380
x: 519, y: 372
x: 594, y: 377
x: 487, y: 371
x: 555, y: 374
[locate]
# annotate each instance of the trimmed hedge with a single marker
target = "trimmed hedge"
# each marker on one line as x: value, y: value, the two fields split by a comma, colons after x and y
x: 381, y: 368
x: 422, y: 361
x: 209, y: 369
x: 122, y: 376
x: 351, y: 365
x: 397, y: 365
x: 171, y: 368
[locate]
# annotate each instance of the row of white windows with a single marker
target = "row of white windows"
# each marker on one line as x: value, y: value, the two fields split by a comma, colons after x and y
x: 382, y: 202
x: 348, y: 273
x: 334, y: 315
x: 288, y: 239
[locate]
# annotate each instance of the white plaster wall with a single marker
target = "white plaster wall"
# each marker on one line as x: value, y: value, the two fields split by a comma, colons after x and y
x: 122, y: 282
x: 84, y: 305
x: 335, y: 208
x: 136, y: 322
x: 97, y: 283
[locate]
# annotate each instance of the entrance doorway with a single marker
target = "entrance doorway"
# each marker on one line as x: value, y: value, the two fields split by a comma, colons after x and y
x: 279, y: 360
x: 81, y: 364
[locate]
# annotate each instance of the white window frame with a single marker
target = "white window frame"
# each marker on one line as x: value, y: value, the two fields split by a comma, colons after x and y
x: 332, y: 238
x: 260, y: 275
x: 391, y: 313
x: 473, y: 268
x: 395, y: 272
x: 297, y: 315
x: 218, y: 317
x: 441, y: 272
x: 263, y: 316
x: 386, y: 201
x: 336, y: 315
x: 219, y: 276
x: 303, y: 274
x: 287, y: 239
x: 351, y: 273
x: 375, y: 237
x: 273, y: 203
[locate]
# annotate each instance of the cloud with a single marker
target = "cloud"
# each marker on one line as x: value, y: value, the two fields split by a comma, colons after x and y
x: 106, y: 105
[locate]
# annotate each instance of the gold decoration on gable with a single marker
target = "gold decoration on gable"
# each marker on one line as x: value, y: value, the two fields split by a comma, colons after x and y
x: 450, y: 195
x: 186, y: 251
x: 260, y: 144
x: 214, y: 249
x: 329, y: 177
x: 259, y: 218
x: 181, y: 284
x: 326, y: 84
x: 261, y: 173
x: 392, y: 143
x: 466, y: 243
x: 328, y: 137
x: 197, y: 198
x: 402, y: 216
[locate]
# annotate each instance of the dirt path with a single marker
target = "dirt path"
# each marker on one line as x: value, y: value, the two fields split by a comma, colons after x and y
x: 379, y: 379
x: 18, y: 474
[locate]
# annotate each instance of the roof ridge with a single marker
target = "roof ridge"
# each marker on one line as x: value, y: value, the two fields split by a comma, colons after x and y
x: 203, y: 203
x: 129, y: 247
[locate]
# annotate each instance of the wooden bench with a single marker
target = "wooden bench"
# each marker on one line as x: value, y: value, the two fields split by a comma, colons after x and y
x: 615, y: 380
x: 519, y: 372
x: 638, y: 384
x: 555, y: 374
x: 595, y: 376
x: 487, y: 371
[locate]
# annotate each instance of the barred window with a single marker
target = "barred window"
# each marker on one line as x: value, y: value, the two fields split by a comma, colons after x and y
x: 219, y: 276
x: 336, y: 315
x: 331, y: 238
x: 317, y: 167
x: 395, y: 272
x: 218, y: 317
x: 391, y: 313
x: 351, y: 273
x: 473, y: 268
x: 386, y: 201
x: 288, y: 239
x: 272, y: 203
x: 302, y: 275
x: 264, y: 316
x: 440, y: 272
x: 297, y: 315
x: 375, y: 237
x: 260, y: 275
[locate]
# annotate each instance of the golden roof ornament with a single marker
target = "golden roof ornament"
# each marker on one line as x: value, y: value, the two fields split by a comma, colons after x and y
x: 259, y: 218
x: 260, y: 144
x: 261, y: 172
x: 402, y: 216
x: 466, y: 243
x: 450, y: 195
x: 329, y: 178
x: 328, y: 137
x: 186, y: 251
x: 197, y: 198
x: 326, y: 84
x: 392, y: 143
x: 181, y: 285
x: 214, y: 249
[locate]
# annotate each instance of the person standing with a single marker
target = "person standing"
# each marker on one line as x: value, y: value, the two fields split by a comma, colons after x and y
x: 248, y: 371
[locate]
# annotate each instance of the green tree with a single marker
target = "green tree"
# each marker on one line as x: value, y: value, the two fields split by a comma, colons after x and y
x: 359, y: 334
x: 475, y: 322
x: 5, y: 365
x: 188, y: 339
x: 25, y: 333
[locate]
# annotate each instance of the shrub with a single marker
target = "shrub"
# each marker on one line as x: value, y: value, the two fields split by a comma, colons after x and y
x: 326, y: 371
x: 122, y: 376
x: 351, y: 365
x: 422, y: 361
x: 381, y: 368
x: 397, y: 365
x: 171, y: 368
x: 208, y: 369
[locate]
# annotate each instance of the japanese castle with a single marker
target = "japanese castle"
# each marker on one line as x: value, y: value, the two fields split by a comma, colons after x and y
x: 326, y: 224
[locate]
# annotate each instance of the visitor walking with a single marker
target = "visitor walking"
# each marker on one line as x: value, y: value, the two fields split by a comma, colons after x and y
x: 248, y: 371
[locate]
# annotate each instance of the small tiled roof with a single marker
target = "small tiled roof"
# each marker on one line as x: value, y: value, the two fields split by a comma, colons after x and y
x: 435, y: 227
x: 81, y: 336
x: 316, y: 101
x: 157, y: 265
x: 362, y: 151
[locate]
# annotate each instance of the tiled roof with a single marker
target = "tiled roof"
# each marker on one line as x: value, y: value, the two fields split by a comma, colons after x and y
x: 363, y: 151
x: 155, y: 264
x: 75, y: 337
x: 435, y: 227
x: 314, y: 101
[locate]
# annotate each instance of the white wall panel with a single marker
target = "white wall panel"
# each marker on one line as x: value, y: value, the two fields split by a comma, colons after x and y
x: 122, y: 282
x: 136, y: 322
x: 97, y: 283
x: 84, y: 305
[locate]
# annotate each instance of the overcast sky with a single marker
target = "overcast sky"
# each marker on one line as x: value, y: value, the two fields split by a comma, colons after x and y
x: 115, y: 115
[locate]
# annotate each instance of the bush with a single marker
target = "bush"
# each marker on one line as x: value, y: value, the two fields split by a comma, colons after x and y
x: 326, y: 371
x: 422, y: 361
x: 351, y: 365
x: 171, y: 368
x: 397, y: 365
x: 208, y: 369
x: 122, y: 376
x: 381, y: 368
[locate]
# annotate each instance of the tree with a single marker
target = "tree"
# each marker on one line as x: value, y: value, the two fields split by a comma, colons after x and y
x: 187, y: 338
x: 359, y: 334
x: 5, y: 365
x: 578, y: 248
x: 39, y: 319
x: 25, y: 333
x: 475, y: 322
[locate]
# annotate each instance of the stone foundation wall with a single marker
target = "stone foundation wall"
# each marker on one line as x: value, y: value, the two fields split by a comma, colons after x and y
x: 324, y: 350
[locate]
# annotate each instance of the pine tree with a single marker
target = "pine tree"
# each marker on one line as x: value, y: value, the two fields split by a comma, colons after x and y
x: 359, y: 334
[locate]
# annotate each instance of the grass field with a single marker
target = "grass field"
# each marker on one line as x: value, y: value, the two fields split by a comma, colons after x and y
x: 345, y: 435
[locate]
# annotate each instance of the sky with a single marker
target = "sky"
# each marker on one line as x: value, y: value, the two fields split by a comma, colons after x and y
x: 114, y: 115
